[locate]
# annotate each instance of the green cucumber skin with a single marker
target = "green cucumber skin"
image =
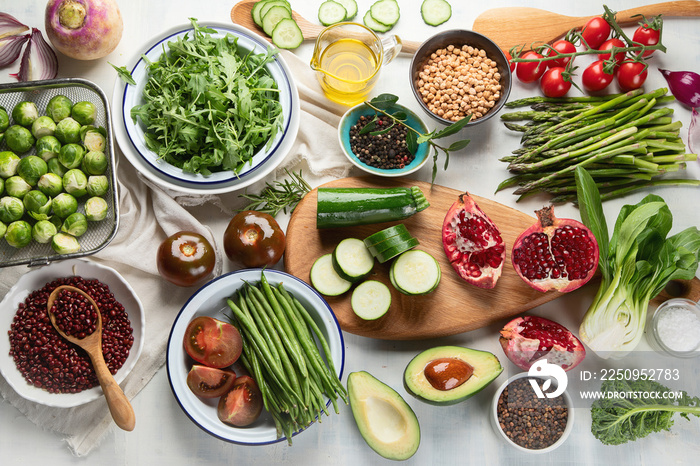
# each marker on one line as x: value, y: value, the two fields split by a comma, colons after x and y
x: 380, y: 248
x: 395, y: 251
x: 341, y: 207
x: 383, y: 235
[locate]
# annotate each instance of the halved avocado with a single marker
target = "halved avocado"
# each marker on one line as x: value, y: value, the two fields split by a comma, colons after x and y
x: 458, y: 361
x: 385, y: 420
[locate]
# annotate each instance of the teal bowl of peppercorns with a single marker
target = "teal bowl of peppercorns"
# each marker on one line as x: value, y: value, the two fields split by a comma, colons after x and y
x: 381, y: 138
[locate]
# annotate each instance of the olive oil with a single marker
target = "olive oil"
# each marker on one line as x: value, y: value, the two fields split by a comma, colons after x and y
x: 349, y: 67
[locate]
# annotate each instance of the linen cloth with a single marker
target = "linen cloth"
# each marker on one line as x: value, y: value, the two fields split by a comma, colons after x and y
x: 148, y: 214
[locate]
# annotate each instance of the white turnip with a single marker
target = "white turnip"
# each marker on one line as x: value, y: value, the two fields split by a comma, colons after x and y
x: 84, y: 29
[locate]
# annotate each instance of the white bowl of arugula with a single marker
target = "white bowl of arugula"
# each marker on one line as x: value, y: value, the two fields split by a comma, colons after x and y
x: 209, y: 122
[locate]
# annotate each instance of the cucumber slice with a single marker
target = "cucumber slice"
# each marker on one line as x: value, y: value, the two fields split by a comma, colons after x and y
x: 272, y: 18
x: 255, y: 12
x: 394, y: 251
x: 325, y: 279
x: 273, y: 3
x: 350, y: 8
x: 415, y: 272
x: 385, y: 12
x: 386, y: 233
x: 331, y: 12
x: 435, y: 12
x: 351, y: 260
x: 374, y: 25
x: 370, y: 300
x: 287, y: 34
x: 378, y: 249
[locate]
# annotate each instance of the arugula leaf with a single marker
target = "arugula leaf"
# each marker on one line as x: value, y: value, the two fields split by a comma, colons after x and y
x: 124, y: 74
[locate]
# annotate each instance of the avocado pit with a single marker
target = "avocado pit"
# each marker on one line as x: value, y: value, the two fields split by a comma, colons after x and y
x: 447, y: 373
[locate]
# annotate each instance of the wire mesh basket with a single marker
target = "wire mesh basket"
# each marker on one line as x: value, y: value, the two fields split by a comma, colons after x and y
x: 99, y: 234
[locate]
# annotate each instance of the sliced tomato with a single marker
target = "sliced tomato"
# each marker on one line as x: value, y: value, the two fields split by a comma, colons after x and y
x: 212, y: 342
x: 209, y: 382
x: 242, y: 405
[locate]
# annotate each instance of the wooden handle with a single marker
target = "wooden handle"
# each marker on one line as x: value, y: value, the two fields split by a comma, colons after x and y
x: 119, y: 405
x: 409, y: 47
x: 679, y: 8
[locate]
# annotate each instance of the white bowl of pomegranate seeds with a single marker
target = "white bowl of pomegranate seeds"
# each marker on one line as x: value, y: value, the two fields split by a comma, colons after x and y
x: 37, y: 363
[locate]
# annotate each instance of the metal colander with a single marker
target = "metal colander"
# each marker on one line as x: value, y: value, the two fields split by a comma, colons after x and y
x: 99, y: 234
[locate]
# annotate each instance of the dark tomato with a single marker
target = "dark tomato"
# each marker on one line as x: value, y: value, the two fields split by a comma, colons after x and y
x: 553, y: 83
x: 212, y: 342
x: 561, y: 46
x: 209, y: 382
x: 631, y: 76
x: 185, y: 258
x: 646, y: 35
x: 530, y: 71
x: 594, y: 79
x: 608, y: 45
x: 595, y: 32
x: 254, y: 239
x: 510, y: 63
x: 242, y: 405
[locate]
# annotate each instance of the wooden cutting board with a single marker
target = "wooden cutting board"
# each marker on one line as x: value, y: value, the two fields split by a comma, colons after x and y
x: 455, y: 306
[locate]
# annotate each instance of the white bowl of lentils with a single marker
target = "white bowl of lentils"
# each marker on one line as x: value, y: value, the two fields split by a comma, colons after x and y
x: 459, y: 73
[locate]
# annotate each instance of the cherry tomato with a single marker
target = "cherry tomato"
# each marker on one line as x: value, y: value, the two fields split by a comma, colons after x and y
x: 209, y: 382
x: 510, y: 63
x: 553, y: 83
x: 528, y: 72
x: 594, y: 78
x: 646, y: 35
x: 561, y: 46
x: 608, y: 45
x: 595, y: 32
x: 254, y: 239
x: 242, y: 405
x: 185, y: 258
x: 212, y: 342
x: 631, y: 75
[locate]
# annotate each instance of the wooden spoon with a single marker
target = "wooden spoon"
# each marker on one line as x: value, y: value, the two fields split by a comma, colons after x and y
x: 513, y: 26
x: 119, y: 406
x: 240, y: 14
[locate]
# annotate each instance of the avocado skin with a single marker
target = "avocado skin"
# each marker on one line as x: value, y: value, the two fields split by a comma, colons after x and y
x: 486, y: 366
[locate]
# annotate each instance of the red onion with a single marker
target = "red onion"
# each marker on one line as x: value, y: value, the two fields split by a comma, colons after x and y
x: 10, y: 48
x: 684, y: 85
x: 39, y: 61
x: 9, y: 26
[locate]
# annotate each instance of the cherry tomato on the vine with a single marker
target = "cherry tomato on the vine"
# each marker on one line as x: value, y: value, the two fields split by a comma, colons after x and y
x: 529, y: 72
x: 594, y: 78
x: 510, y: 63
x: 631, y: 76
x: 646, y: 35
x: 608, y: 45
x: 553, y: 83
x: 562, y: 46
x: 185, y: 258
x: 595, y: 32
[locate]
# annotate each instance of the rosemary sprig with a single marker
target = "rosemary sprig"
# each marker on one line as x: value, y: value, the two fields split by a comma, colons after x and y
x: 415, y: 137
x: 278, y: 196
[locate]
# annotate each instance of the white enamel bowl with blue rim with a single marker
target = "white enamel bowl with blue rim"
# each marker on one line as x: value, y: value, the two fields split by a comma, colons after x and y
x: 131, y: 137
x: 210, y: 300
x: 36, y: 279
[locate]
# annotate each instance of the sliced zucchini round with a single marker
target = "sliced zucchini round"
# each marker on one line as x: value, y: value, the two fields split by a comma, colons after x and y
x: 325, y: 279
x: 386, y: 233
x: 351, y: 260
x: 394, y: 251
x: 415, y: 272
x: 370, y: 300
x: 394, y: 241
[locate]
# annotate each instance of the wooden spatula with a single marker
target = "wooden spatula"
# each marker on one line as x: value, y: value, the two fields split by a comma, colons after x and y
x: 513, y: 26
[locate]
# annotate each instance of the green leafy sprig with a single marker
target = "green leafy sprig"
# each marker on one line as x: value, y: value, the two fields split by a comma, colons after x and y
x: 278, y: 196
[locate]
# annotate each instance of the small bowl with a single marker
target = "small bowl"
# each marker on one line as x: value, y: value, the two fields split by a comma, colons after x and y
x: 497, y: 428
x: 460, y: 37
x: 654, y: 335
x: 350, y: 119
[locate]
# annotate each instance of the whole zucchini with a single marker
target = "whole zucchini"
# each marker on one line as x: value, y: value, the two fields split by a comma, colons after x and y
x: 344, y: 207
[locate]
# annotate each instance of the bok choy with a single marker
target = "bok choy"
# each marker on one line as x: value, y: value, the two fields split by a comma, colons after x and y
x: 636, y: 263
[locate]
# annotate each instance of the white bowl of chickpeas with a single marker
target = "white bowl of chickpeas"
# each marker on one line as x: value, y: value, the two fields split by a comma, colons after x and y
x: 460, y: 73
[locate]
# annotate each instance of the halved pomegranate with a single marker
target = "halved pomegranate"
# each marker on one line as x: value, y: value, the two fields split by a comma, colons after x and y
x: 555, y: 253
x: 473, y: 244
x: 528, y: 339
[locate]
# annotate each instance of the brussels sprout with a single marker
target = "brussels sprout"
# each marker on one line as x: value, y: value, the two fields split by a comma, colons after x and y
x: 18, y: 234
x: 17, y: 187
x: 51, y: 184
x: 59, y: 107
x: 30, y: 168
x: 67, y: 131
x: 96, y: 209
x: 24, y: 113
x: 11, y: 209
x: 64, y: 243
x: 4, y: 120
x: 56, y: 167
x: 19, y: 139
x: 94, y: 163
x: 64, y: 204
x: 75, y: 182
x: 94, y: 140
x: 84, y: 112
x: 98, y: 185
x: 71, y: 155
x: 3, y: 229
x: 43, y: 126
x: 75, y: 224
x: 8, y: 163
x: 48, y: 147
x: 43, y: 231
